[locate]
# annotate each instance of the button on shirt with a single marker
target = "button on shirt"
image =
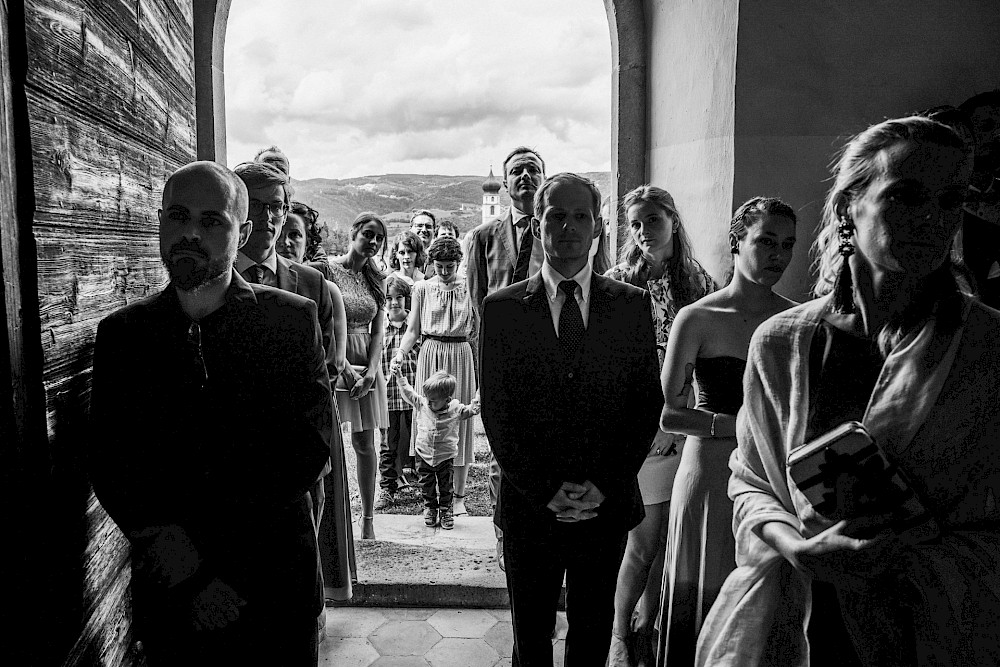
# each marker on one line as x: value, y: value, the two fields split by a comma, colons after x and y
x: 244, y: 264
x: 551, y: 279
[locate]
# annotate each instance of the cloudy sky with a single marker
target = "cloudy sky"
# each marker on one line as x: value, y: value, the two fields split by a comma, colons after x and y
x: 360, y: 87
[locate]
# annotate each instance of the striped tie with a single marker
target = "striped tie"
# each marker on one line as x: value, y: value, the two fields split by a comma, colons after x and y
x: 523, y: 252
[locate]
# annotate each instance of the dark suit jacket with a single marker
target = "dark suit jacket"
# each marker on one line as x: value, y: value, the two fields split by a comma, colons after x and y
x: 492, y: 257
x: 551, y: 420
x: 309, y: 282
x: 229, y: 462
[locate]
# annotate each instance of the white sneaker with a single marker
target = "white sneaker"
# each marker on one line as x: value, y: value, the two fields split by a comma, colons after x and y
x: 458, y: 506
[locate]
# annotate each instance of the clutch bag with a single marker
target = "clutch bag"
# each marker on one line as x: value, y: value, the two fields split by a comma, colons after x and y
x: 347, y: 382
x: 845, y: 475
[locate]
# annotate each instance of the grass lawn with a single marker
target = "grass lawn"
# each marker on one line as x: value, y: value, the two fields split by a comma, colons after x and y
x: 409, y: 501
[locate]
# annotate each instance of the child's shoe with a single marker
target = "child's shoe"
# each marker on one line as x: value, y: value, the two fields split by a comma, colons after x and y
x: 384, y: 499
x: 431, y: 517
x: 447, y: 518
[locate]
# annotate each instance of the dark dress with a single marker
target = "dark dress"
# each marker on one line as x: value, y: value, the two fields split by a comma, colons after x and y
x: 843, y: 370
x: 701, y: 550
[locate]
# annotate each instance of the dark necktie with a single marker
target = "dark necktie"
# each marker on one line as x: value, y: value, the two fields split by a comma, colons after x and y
x: 523, y: 252
x: 255, y: 274
x: 570, y: 320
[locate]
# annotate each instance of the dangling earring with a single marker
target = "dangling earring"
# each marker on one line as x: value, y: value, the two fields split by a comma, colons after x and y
x: 843, y: 288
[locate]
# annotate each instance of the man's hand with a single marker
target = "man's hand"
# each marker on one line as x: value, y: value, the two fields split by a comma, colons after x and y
x: 165, y: 554
x: 575, y: 502
x: 216, y: 606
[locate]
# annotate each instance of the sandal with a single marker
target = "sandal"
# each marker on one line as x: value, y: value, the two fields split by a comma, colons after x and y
x: 367, y: 524
x: 458, y: 505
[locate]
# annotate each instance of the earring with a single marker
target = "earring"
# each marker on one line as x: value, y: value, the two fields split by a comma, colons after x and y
x: 843, y: 288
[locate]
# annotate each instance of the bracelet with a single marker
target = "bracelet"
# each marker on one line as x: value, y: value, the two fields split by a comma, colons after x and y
x: 711, y: 432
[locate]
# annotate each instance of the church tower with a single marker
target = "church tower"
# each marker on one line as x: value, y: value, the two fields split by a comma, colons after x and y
x: 491, y: 197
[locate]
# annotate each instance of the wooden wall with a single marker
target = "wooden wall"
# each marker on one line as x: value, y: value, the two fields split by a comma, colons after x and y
x: 110, y: 103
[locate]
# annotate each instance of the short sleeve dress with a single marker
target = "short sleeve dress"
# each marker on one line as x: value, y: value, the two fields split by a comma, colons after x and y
x: 447, y: 323
x: 656, y: 477
x: 370, y: 412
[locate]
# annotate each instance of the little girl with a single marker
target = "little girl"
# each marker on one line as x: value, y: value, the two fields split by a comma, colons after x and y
x: 436, y: 416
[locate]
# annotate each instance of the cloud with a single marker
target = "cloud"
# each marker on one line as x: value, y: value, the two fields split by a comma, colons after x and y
x: 355, y: 88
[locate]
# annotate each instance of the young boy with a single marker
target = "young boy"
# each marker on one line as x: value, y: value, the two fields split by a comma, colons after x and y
x: 396, y: 442
x: 436, y: 418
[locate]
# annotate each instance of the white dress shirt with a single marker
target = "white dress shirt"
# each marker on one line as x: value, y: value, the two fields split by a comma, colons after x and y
x: 271, y: 263
x: 551, y: 278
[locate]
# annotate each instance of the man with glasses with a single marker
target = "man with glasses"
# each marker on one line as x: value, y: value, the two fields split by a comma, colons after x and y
x: 211, y: 419
x: 257, y: 260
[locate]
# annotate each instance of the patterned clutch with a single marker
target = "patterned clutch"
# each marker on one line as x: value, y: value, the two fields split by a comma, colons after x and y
x: 845, y: 475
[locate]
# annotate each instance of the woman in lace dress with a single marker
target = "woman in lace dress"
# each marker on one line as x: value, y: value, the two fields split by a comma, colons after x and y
x: 656, y: 256
x: 709, y: 343
x: 443, y: 315
x: 361, y: 393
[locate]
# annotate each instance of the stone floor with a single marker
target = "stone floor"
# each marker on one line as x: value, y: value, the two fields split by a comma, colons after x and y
x: 412, y: 637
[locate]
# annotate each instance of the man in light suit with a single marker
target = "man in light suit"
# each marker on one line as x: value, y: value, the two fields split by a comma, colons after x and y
x: 502, y: 252
x: 571, y: 402
x: 211, y: 419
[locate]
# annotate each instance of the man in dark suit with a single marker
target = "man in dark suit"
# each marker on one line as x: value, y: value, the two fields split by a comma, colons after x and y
x: 502, y: 252
x: 212, y: 418
x: 571, y: 402
x: 257, y: 260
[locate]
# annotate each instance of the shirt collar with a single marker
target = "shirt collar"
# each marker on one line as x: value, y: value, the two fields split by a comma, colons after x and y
x: 243, y: 262
x: 516, y: 215
x: 552, y: 278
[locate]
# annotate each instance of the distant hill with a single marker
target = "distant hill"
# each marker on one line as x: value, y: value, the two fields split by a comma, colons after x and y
x: 393, y: 196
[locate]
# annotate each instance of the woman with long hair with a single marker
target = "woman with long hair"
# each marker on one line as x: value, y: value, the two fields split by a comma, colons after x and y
x: 442, y: 317
x: 709, y: 343
x: 894, y: 343
x: 657, y: 257
x: 407, y: 256
x: 361, y: 389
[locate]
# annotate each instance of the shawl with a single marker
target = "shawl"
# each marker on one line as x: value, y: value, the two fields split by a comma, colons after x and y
x: 934, y: 413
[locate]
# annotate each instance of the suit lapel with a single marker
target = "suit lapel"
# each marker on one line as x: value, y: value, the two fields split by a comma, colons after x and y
x: 507, y: 239
x: 594, y: 338
x: 536, y: 304
x: 288, y: 277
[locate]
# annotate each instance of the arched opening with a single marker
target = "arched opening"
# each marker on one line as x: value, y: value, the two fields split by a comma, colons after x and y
x: 628, y: 87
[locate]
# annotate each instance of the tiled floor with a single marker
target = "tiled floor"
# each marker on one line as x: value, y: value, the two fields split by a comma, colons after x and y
x: 363, y: 636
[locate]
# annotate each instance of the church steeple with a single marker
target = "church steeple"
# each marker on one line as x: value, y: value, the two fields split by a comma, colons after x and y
x: 491, y: 197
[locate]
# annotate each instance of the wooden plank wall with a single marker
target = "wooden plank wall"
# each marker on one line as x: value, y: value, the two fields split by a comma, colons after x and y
x: 110, y: 91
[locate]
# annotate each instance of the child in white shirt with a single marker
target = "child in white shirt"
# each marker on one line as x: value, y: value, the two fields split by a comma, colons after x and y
x: 436, y: 416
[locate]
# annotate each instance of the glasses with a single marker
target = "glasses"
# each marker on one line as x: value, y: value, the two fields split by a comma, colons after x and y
x: 275, y: 209
x: 372, y: 236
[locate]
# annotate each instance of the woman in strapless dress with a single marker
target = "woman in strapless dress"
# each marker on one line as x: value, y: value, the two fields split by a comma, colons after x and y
x: 708, y: 344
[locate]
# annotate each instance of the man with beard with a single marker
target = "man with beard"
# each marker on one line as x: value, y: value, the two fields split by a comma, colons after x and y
x: 503, y: 252
x: 211, y: 419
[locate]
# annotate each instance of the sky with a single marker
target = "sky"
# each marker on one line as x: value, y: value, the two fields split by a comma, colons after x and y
x: 360, y: 87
